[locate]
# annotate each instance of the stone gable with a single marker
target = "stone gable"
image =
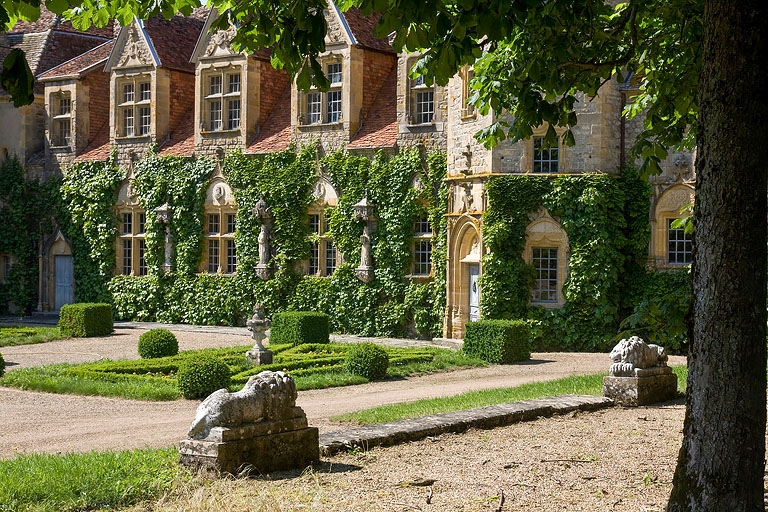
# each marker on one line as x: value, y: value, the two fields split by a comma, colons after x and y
x: 135, y: 51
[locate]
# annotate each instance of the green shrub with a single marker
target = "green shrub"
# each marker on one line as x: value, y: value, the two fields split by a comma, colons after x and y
x: 498, y: 341
x: 367, y: 360
x: 85, y: 319
x: 299, y: 327
x: 200, y: 376
x: 158, y: 343
x: 2, y: 365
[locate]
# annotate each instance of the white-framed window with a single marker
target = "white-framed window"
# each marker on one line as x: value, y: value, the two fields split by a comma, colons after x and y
x: 545, y: 160
x: 221, y: 252
x: 679, y: 245
x: 134, y: 108
x: 222, y: 100
x: 544, y: 261
x: 323, y: 255
x: 423, y: 101
x: 325, y: 107
x: 422, y: 247
x: 61, y: 119
x: 131, y: 257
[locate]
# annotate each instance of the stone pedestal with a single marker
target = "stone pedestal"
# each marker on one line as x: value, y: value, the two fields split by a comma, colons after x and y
x: 258, y: 355
x: 647, y: 386
x: 257, y: 447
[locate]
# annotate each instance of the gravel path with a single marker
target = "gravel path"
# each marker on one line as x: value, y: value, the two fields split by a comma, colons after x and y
x: 43, y: 422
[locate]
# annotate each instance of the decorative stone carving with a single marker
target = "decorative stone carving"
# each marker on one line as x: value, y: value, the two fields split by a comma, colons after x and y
x: 135, y: 52
x: 468, y: 198
x: 164, y: 216
x: 257, y: 427
x: 220, y: 42
x: 263, y: 212
x: 639, y: 374
x: 259, y: 325
x: 364, y: 211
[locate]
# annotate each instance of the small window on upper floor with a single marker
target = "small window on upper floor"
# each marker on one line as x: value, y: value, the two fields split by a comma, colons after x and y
x: 134, y: 110
x: 61, y: 119
x: 466, y: 74
x: 318, y: 107
x: 222, y: 100
x: 422, y: 101
x: 545, y: 159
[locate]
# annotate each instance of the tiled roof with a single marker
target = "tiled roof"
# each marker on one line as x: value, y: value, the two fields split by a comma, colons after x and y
x: 50, y: 21
x: 99, y: 149
x: 80, y: 64
x: 276, y: 133
x: 379, y: 128
x: 182, y: 140
x: 362, y: 28
x: 174, y: 40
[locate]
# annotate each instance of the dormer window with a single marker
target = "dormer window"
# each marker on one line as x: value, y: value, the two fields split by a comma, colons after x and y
x: 61, y: 119
x: 222, y: 100
x: 423, y: 101
x: 325, y: 107
x: 134, y: 109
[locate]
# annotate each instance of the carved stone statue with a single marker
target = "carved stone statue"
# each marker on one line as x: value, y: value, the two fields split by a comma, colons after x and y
x: 634, y: 353
x: 263, y: 212
x: 266, y: 396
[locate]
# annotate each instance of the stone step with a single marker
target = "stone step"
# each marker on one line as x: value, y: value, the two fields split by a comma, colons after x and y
x: 402, y: 431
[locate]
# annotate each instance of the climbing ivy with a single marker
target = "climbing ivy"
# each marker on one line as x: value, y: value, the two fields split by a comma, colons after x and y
x: 601, y: 216
x: 27, y: 209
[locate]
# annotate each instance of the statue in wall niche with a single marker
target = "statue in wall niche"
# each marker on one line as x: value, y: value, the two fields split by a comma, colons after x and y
x: 468, y: 198
x: 263, y: 212
x: 633, y: 354
x: 267, y: 396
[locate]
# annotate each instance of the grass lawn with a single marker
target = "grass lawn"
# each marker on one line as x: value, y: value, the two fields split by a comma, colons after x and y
x: 11, y: 336
x: 312, y: 366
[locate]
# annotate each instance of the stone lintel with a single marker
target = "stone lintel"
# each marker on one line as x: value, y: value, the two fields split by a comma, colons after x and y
x: 295, y: 449
x: 634, y: 391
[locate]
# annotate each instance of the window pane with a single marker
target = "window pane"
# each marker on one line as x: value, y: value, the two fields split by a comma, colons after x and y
x: 679, y: 245
x: 214, y: 223
x: 143, y: 269
x: 422, y: 265
x: 544, y: 260
x: 544, y: 160
x: 314, y: 260
x: 231, y: 257
x: 144, y: 118
x: 127, y: 223
x: 127, y: 257
x: 61, y: 135
x: 213, y: 256
x: 233, y: 114
x: 334, y: 73
x: 330, y: 258
x: 142, y: 221
x: 425, y: 106
x: 128, y: 122
x: 230, y: 223
x: 314, y: 223
x: 128, y: 93
x: 214, y: 85
x: 334, y: 107
x: 144, y: 92
x: 65, y: 106
x: 215, y: 115
x: 422, y: 226
x: 314, y: 108
x: 234, y: 83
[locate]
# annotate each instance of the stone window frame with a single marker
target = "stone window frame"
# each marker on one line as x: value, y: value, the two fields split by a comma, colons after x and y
x: 138, y: 101
x: 61, y: 113
x: 422, y: 245
x: 543, y: 157
x: 314, y: 105
x: 219, y: 236
x: 418, y: 88
x: 226, y: 96
x: 131, y: 241
x: 466, y: 74
x: 666, y: 208
x: 545, y: 289
x: 545, y: 232
x: 322, y: 249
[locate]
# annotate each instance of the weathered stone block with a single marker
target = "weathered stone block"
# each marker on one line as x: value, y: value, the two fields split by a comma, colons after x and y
x: 634, y: 391
x: 262, y: 454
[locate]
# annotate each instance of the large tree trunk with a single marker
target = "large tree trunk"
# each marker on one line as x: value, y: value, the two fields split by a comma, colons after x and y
x: 721, y: 463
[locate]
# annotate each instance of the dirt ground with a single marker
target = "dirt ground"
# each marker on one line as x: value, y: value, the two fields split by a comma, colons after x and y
x: 615, y: 459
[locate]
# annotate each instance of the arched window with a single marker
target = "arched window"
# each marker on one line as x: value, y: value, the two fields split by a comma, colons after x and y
x: 323, y: 255
x: 219, y: 224
x: 546, y: 249
x: 671, y: 246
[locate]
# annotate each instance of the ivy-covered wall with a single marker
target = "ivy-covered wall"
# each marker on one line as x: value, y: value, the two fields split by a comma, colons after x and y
x: 606, y: 221
x: 392, y: 305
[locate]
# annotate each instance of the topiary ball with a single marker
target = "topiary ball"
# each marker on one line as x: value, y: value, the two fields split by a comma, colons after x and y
x: 201, y: 375
x: 2, y: 365
x: 367, y: 360
x: 158, y: 343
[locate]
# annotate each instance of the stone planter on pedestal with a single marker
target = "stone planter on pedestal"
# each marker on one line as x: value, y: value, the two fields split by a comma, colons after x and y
x: 259, y: 325
x: 639, y: 374
x: 258, y: 429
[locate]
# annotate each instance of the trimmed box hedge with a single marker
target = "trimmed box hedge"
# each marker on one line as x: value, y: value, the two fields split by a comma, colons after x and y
x: 86, y: 319
x: 498, y: 341
x: 299, y: 327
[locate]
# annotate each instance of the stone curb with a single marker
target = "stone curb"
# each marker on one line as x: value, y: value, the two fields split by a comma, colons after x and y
x: 414, y: 429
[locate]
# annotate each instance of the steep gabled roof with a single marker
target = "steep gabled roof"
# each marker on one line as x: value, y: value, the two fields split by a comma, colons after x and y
x: 182, y: 140
x: 276, y: 133
x: 80, y: 65
x: 361, y: 27
x: 379, y: 127
x: 174, y: 40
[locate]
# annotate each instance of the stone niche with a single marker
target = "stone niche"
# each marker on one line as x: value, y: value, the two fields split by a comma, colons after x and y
x: 256, y: 430
x: 639, y: 374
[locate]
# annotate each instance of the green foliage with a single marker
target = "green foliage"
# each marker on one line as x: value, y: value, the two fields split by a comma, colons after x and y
x: 498, y: 341
x: 602, y: 216
x: 200, y: 376
x: 87, y: 481
x: 158, y: 343
x: 10, y: 336
x: 85, y: 319
x: 367, y: 360
x: 27, y: 208
x: 299, y: 327
x: 88, y: 194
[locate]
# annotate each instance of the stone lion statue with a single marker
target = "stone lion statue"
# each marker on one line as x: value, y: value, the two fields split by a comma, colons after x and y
x: 634, y: 353
x: 266, y: 396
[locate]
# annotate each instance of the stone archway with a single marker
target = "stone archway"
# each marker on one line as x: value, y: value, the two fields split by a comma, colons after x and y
x: 464, y: 267
x: 666, y: 207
